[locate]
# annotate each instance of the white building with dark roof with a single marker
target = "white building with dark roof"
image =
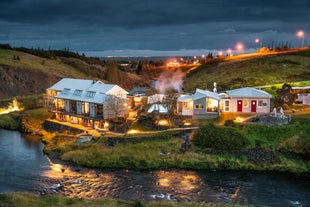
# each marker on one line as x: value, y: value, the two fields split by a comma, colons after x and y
x: 86, y: 102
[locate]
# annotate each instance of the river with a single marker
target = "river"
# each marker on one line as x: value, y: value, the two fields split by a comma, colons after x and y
x: 25, y: 168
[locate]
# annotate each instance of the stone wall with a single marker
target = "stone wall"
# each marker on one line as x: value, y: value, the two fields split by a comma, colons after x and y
x: 56, y: 127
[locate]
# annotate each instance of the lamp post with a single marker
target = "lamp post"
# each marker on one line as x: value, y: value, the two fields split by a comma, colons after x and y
x: 301, y: 34
x: 257, y: 41
x: 240, y: 47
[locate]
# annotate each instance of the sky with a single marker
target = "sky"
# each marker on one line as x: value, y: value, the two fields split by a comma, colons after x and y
x: 152, y: 27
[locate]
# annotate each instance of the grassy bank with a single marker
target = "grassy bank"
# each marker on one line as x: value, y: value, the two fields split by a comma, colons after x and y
x: 271, y: 69
x: 278, y: 142
x: 286, y: 145
x: 29, y: 200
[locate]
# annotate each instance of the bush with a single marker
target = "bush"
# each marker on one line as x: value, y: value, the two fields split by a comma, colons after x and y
x: 297, y: 144
x: 223, y: 138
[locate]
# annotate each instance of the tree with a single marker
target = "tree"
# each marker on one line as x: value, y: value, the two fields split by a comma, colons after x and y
x: 113, y: 74
x: 170, y: 102
x: 115, y: 109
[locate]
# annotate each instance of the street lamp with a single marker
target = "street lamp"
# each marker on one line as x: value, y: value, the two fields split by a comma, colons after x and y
x: 240, y: 47
x: 301, y: 34
x: 229, y: 52
x: 258, y: 41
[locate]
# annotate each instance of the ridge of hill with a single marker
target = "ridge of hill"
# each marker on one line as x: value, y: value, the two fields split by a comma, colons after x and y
x: 255, y: 70
x: 23, y: 74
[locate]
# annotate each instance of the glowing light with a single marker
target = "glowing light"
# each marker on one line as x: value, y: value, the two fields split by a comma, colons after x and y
x: 256, y: 40
x: 239, y: 119
x: 240, y: 46
x: 14, y: 106
x: 163, y: 122
x: 163, y: 182
x: 132, y: 131
x: 300, y: 33
x: 220, y: 53
x: 106, y: 125
x: 173, y: 63
x: 187, y: 123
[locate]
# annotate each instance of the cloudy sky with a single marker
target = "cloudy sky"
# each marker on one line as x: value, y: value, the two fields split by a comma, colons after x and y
x: 152, y: 27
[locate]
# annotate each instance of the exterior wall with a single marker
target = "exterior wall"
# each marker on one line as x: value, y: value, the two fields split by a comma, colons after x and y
x: 200, y: 111
x: 203, y: 113
x: 67, y: 106
x: 185, y: 111
x: 78, y: 107
x: 92, y: 112
x: 118, y: 91
x: 265, y: 108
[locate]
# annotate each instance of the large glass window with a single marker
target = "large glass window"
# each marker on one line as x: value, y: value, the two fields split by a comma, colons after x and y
x: 187, y: 105
x: 212, y: 105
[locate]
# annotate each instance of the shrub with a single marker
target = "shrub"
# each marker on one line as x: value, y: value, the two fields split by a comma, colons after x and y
x: 297, y: 145
x: 224, y: 138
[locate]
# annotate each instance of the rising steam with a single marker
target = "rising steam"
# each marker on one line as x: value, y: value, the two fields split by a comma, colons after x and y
x: 169, y: 80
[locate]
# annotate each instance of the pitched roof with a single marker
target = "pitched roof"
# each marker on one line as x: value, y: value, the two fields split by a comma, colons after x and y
x: 138, y: 90
x: 84, y: 90
x: 199, y: 94
x: 71, y: 83
x: 248, y: 92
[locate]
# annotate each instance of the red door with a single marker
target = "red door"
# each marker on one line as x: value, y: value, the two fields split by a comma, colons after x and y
x: 239, y: 106
x: 253, y: 106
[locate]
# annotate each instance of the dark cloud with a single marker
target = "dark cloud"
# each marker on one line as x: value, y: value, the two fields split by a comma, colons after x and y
x: 97, y: 25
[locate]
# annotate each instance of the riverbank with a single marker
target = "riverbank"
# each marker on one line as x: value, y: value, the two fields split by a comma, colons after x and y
x: 281, y: 148
x: 26, y: 200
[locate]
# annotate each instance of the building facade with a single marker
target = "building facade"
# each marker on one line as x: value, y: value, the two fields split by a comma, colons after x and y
x: 245, y: 100
x: 202, y: 104
x: 87, y: 102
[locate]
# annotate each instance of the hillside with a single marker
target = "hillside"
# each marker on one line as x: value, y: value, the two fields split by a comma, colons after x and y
x: 25, y: 74
x: 250, y: 71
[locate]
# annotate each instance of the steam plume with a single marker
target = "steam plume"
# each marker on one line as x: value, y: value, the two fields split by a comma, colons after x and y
x: 169, y: 80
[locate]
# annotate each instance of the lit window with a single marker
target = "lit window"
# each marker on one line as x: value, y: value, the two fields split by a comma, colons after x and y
x: 245, y: 103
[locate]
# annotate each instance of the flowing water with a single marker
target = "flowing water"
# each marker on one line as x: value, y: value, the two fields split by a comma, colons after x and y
x: 24, y: 167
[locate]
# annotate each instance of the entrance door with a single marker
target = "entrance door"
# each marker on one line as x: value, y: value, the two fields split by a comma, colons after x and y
x: 253, y: 106
x: 239, y: 106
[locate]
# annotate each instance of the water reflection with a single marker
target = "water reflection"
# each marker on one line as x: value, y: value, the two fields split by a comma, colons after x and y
x: 25, y: 168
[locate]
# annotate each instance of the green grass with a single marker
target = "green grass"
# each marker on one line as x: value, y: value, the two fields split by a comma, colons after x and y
x: 38, y: 116
x: 268, y: 70
x: 145, y: 153
x: 27, y: 61
x: 10, y: 121
x: 29, y: 200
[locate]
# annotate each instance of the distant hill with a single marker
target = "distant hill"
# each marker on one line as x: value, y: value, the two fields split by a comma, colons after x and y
x: 250, y: 70
x: 22, y: 73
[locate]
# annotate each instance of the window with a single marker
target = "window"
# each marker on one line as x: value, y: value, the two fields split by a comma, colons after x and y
x: 212, y: 105
x: 198, y: 106
x: 90, y: 94
x: 77, y: 92
x: 245, y: 103
x: 260, y: 103
x: 188, y: 105
x: 226, y: 105
x: 66, y: 91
